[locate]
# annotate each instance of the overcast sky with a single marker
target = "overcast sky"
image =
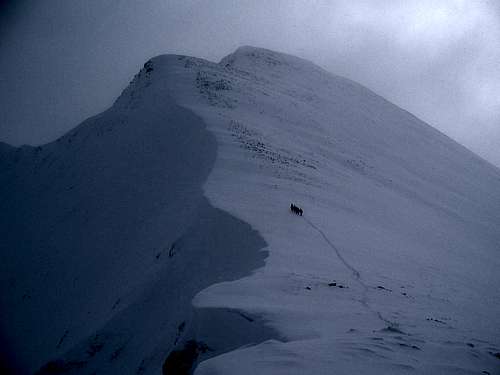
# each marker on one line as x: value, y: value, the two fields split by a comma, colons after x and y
x: 62, y: 61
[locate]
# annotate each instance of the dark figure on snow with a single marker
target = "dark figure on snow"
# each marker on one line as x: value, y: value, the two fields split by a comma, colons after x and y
x: 296, y: 210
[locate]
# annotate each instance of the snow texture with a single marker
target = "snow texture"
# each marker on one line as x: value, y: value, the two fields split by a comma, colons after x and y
x: 138, y: 239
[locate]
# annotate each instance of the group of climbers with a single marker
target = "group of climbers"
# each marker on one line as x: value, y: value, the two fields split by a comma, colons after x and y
x: 296, y: 210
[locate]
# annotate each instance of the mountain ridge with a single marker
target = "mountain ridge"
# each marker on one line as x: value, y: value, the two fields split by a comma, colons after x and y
x: 399, y: 223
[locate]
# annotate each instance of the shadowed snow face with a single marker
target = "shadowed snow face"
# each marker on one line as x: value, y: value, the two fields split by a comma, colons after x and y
x: 65, y: 61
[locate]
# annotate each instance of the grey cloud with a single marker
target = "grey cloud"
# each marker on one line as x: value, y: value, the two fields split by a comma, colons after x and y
x: 66, y: 60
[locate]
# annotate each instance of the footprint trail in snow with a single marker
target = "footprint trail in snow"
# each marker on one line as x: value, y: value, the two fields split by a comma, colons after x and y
x: 356, y: 274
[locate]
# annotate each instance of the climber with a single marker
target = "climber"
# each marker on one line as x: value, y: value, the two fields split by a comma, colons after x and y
x: 296, y: 210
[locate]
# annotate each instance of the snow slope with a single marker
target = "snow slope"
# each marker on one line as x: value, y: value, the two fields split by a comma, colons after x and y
x: 393, y: 268
x: 102, y: 234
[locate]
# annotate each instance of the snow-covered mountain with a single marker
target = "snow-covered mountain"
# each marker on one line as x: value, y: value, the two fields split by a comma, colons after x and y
x: 158, y: 234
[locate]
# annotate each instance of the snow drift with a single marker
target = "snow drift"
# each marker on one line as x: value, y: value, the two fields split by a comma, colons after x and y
x: 129, y: 243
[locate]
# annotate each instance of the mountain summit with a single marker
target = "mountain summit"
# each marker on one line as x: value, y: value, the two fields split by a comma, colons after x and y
x: 158, y: 236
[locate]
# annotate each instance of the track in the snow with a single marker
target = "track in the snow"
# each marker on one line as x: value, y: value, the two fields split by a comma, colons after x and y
x: 356, y: 274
